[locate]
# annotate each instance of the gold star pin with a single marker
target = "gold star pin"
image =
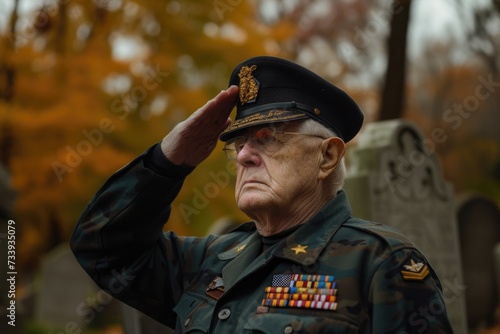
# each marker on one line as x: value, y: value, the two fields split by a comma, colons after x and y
x: 299, y: 249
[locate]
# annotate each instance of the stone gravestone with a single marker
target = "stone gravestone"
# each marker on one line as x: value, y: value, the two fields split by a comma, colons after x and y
x: 479, y: 230
x: 395, y: 179
x: 68, y: 299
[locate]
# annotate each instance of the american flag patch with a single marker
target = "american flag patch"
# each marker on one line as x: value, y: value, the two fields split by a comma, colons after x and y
x: 282, y: 280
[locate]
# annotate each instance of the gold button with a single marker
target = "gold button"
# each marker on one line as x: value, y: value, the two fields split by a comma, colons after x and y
x: 316, y: 111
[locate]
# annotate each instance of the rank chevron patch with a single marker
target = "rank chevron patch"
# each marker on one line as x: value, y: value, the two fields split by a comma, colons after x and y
x: 415, y: 271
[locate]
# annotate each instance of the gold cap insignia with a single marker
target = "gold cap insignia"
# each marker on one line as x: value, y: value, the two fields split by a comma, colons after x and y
x: 249, y: 86
x: 415, y: 271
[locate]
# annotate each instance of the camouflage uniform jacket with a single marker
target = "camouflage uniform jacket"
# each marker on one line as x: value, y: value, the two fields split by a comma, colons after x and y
x: 216, y: 284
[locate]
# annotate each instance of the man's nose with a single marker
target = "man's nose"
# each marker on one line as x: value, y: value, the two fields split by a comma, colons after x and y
x: 249, y: 155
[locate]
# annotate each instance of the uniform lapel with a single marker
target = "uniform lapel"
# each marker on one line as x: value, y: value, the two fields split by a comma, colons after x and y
x: 243, y: 255
x: 305, y: 245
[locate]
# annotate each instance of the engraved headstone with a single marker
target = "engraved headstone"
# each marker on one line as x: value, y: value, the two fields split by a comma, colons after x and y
x: 479, y: 230
x: 395, y: 179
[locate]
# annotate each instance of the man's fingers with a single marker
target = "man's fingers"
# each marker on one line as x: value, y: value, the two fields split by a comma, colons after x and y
x: 224, y: 101
x: 232, y: 93
x: 217, y: 110
x: 230, y: 101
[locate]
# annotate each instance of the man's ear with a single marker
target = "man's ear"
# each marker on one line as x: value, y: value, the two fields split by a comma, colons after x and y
x: 332, y: 149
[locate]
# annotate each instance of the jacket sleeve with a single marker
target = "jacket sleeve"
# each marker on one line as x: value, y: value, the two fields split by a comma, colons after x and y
x: 405, y: 296
x: 119, y: 238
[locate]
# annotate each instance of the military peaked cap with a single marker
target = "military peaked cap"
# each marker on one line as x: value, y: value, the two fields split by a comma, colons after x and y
x: 277, y: 90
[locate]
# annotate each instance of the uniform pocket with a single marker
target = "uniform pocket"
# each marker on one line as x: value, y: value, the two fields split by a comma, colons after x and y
x: 194, y: 312
x: 272, y: 323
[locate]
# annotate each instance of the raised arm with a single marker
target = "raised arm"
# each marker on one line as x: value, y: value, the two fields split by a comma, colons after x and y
x: 119, y: 238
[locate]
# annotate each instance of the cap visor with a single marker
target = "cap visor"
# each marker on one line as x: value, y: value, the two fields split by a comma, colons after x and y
x: 264, y: 117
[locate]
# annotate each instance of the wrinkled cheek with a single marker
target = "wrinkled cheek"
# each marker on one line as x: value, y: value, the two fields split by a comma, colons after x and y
x: 237, y: 186
x: 238, y: 193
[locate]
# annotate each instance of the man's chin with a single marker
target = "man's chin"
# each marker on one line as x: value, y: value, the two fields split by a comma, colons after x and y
x: 249, y: 203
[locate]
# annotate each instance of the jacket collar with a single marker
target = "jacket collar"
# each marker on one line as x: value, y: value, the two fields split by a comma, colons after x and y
x: 306, y: 244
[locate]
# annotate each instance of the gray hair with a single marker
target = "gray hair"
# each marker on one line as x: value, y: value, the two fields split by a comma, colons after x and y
x: 313, y: 127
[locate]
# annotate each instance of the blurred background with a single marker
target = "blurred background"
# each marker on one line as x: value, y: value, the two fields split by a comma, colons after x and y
x: 85, y: 86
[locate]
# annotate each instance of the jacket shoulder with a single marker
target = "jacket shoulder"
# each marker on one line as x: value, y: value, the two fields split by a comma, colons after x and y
x: 377, y: 232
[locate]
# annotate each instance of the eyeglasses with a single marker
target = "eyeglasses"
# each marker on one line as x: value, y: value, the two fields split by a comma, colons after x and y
x: 266, y: 139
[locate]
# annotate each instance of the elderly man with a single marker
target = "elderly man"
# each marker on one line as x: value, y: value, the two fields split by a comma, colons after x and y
x: 302, y: 265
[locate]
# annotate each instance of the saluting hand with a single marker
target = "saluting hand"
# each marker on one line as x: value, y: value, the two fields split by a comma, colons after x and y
x: 192, y: 140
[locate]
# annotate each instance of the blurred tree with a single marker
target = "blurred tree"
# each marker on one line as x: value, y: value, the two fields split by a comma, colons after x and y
x: 455, y: 106
x: 482, y: 37
x: 98, y: 82
x: 484, y: 40
x: 7, y: 71
x: 7, y: 77
x: 355, y: 44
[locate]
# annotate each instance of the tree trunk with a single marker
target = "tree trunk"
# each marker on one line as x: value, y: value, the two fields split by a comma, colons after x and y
x: 7, y: 81
x: 7, y: 71
x: 393, y: 93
